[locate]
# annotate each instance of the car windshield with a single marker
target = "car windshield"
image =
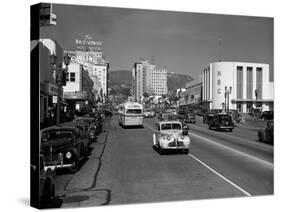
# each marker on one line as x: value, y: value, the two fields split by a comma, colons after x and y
x: 174, y: 126
x: 133, y: 111
x: 57, y: 135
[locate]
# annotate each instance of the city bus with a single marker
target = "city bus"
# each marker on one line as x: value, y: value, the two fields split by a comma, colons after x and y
x: 131, y: 114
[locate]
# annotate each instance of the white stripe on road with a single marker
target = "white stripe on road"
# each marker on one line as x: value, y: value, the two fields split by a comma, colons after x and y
x: 211, y: 169
x: 234, y: 150
x: 221, y: 176
x: 237, y: 138
x: 226, y: 147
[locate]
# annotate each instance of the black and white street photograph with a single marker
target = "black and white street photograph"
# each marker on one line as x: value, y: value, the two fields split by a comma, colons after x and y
x: 150, y: 106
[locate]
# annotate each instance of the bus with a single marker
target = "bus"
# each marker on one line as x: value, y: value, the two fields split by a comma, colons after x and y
x: 131, y: 114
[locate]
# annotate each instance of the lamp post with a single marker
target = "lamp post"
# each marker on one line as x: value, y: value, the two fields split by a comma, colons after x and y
x: 227, y: 91
x: 60, y: 74
x: 256, y: 95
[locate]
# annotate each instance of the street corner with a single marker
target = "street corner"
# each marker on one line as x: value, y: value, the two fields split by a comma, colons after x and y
x: 91, y: 197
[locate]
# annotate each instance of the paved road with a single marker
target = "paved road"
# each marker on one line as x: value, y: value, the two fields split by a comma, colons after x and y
x: 123, y: 168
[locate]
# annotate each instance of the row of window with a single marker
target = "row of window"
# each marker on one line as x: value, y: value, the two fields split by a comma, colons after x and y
x: 249, y: 75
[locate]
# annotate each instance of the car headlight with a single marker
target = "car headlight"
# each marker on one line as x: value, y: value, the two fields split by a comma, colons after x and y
x: 168, y: 138
x: 182, y: 137
x: 68, y: 155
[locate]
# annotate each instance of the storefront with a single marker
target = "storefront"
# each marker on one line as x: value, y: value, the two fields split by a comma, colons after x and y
x: 78, y: 101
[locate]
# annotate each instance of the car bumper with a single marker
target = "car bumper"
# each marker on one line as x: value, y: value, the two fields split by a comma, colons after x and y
x: 226, y: 127
x: 57, y: 166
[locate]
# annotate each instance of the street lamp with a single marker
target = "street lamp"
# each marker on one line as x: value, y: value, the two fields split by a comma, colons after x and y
x: 256, y: 95
x: 227, y: 91
x: 60, y: 80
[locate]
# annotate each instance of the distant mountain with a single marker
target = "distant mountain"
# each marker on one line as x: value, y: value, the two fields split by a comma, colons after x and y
x: 123, y: 79
x: 176, y: 81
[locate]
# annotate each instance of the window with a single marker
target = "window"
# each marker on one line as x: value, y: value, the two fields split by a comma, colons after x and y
x: 259, y: 83
x: 239, y: 82
x: 72, y: 77
x: 249, y: 82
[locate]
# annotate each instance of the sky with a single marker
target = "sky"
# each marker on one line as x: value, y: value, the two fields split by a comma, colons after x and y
x: 182, y: 42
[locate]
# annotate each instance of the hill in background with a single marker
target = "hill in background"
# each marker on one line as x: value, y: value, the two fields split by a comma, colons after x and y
x: 120, y: 79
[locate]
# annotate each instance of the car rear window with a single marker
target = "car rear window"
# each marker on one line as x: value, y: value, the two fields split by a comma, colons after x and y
x: 225, y: 117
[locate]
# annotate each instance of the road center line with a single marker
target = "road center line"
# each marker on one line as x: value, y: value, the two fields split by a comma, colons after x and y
x: 211, y: 169
x: 234, y: 150
x: 234, y: 137
x: 220, y: 175
x: 225, y: 147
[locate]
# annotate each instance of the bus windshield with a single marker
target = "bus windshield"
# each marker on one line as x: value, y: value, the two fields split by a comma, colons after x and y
x: 134, y: 111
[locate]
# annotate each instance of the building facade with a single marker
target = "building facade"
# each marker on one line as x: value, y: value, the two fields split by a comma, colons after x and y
x: 192, y: 94
x: 79, y: 86
x: 148, y: 78
x: 49, y: 89
x: 237, y: 85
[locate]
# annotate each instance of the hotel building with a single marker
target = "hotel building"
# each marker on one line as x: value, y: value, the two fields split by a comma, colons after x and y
x: 148, y: 78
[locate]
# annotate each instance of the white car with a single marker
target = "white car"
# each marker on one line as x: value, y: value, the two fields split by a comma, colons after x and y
x: 169, y: 136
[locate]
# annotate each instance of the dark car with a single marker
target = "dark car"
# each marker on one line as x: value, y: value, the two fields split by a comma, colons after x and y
x: 87, y: 131
x: 63, y: 147
x: 221, y: 121
x: 266, y: 134
x: 91, y: 121
x: 185, y: 127
x: 207, y: 117
x: 267, y: 115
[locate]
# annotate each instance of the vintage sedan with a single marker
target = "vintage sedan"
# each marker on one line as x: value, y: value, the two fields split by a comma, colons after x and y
x: 221, y: 121
x: 266, y: 134
x: 63, y: 147
x: 169, y: 136
x: 87, y: 131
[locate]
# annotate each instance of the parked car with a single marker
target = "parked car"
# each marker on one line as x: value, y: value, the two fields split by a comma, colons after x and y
x: 147, y: 113
x: 63, y: 147
x: 87, y: 131
x: 93, y: 122
x: 267, y: 115
x: 169, y: 136
x: 207, y: 117
x: 221, y: 121
x: 267, y: 133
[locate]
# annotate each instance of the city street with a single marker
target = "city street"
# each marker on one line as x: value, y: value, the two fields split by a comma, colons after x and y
x: 123, y: 168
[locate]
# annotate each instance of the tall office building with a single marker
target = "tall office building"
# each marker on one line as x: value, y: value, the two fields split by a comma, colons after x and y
x: 148, y: 78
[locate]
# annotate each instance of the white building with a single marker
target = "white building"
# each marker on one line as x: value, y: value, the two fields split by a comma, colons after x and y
x: 248, y: 86
x: 101, y: 71
x: 147, y: 78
